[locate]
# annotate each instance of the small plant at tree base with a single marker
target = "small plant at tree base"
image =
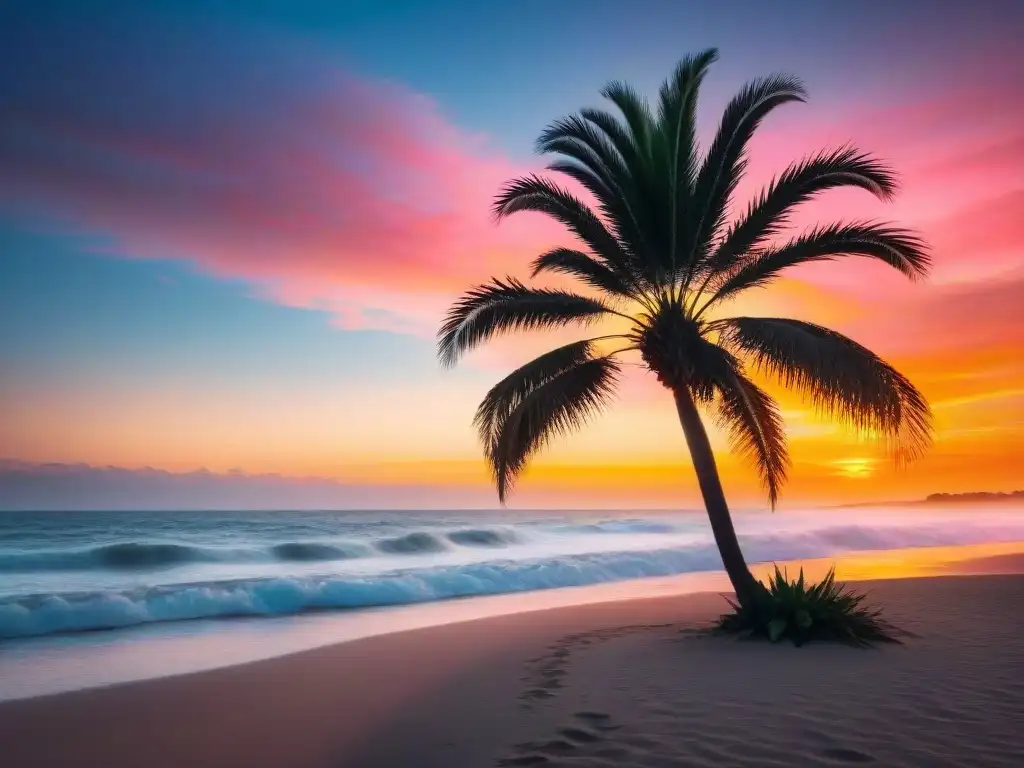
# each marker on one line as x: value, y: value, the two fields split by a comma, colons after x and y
x: 800, y: 612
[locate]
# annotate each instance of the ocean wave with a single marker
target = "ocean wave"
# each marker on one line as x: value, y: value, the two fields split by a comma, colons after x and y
x: 132, y: 555
x: 54, y: 613
x: 417, y: 543
x: 42, y: 614
x: 313, y: 551
x: 484, y: 537
x: 141, y: 555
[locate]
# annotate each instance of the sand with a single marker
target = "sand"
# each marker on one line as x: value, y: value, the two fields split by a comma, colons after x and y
x: 614, y: 684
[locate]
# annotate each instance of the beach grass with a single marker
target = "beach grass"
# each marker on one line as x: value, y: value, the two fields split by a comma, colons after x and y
x: 802, y: 611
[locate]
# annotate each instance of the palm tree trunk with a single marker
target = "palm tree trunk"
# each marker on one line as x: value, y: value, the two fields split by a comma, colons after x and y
x: 743, y: 581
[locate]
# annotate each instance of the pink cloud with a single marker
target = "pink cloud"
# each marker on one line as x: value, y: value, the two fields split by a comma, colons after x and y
x: 356, y: 197
x: 982, y: 239
x: 328, y: 191
x: 952, y: 319
x: 1001, y: 157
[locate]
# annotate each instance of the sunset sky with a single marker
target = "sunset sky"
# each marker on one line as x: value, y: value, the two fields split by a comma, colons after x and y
x: 228, y: 232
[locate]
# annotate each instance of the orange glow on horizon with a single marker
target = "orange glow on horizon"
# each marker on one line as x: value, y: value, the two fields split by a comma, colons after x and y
x: 909, y: 563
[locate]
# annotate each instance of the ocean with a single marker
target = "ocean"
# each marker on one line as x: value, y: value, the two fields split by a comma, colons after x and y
x: 67, y: 572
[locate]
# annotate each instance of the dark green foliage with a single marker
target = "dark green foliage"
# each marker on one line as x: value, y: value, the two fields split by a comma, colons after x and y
x: 583, y: 267
x: 545, y: 407
x: 769, y: 212
x: 899, y: 248
x: 801, y: 612
x: 755, y: 428
x: 500, y: 307
x: 552, y: 394
x: 843, y: 379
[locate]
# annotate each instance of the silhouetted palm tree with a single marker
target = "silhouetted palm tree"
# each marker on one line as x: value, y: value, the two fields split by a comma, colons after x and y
x: 662, y: 251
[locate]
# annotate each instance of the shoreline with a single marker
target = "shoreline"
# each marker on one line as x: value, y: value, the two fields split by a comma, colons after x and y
x: 466, y: 693
x: 135, y: 582
x: 65, y: 663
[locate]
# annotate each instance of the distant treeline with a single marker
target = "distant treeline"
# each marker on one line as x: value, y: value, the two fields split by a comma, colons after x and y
x: 977, y: 496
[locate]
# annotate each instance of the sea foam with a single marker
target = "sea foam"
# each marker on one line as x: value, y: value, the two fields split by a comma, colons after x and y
x: 515, y: 566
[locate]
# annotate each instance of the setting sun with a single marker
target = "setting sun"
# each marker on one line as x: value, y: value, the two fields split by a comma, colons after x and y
x: 856, y: 468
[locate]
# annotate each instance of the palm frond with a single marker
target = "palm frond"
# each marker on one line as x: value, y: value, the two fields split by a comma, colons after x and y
x: 755, y: 428
x: 637, y: 113
x: 603, y: 189
x: 610, y: 140
x: 677, y: 120
x: 769, y: 212
x: 584, y: 142
x: 843, y: 379
x: 532, y: 193
x: 503, y: 306
x: 617, y: 201
x: 726, y: 159
x: 616, y: 132
x: 582, y: 266
x: 899, y: 248
x: 596, y: 163
x: 557, y: 405
x: 503, y: 398
x: 636, y: 140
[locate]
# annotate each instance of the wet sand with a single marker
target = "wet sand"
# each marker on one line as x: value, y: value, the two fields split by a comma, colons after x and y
x: 615, y: 684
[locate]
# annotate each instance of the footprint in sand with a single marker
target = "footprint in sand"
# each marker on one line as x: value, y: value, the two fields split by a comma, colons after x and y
x: 580, y: 735
x: 597, y: 720
x: 568, y: 742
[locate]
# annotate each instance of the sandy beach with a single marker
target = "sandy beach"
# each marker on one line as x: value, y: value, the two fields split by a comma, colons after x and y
x: 614, y: 684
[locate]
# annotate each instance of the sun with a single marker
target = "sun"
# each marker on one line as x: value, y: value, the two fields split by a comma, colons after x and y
x: 855, y: 468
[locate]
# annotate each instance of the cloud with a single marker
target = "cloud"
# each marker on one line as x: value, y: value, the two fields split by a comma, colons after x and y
x: 999, y: 156
x: 955, y: 328
x: 977, y: 315
x: 981, y: 239
x: 252, y: 159
x: 26, y: 486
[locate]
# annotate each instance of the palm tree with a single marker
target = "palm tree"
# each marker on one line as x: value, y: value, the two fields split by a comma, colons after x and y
x: 662, y: 251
